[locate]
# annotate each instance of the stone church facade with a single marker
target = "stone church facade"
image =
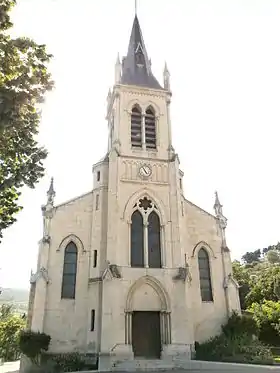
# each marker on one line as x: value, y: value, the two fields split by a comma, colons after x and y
x: 132, y: 268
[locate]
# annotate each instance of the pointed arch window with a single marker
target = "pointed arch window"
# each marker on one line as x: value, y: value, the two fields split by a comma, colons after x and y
x: 137, y: 240
x: 136, y: 127
x: 205, y: 276
x: 68, y: 290
x: 150, y: 128
x: 145, y: 249
x: 154, y: 249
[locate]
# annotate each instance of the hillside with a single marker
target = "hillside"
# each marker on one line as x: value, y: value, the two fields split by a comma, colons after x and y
x: 18, y: 297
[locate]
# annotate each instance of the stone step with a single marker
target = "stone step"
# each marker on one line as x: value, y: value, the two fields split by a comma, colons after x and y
x: 143, y: 365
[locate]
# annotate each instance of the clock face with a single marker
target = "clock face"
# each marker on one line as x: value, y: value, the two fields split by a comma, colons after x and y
x: 145, y: 171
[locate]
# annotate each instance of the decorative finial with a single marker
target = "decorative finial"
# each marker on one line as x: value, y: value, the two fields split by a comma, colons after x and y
x: 118, y: 70
x: 166, y: 68
x: 118, y: 62
x: 51, y: 193
x: 135, y: 7
x: 109, y: 95
x: 217, y: 201
x: 222, y: 220
x: 166, y: 77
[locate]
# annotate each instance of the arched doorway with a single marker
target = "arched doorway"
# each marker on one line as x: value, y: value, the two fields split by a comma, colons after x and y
x: 147, y: 326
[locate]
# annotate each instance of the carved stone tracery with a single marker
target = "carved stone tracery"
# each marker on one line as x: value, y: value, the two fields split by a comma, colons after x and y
x: 145, y: 205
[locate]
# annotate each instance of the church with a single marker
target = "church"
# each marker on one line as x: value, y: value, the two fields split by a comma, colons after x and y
x: 133, y: 270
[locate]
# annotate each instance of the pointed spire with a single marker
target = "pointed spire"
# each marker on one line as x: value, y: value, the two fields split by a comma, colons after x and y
x: 136, y: 69
x: 166, y: 77
x: 51, y: 193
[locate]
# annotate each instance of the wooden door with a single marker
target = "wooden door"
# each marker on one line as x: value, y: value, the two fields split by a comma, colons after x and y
x: 146, y: 339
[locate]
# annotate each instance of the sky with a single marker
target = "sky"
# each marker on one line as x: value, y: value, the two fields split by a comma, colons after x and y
x: 224, y: 58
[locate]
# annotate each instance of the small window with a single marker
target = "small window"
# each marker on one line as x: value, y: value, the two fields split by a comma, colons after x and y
x: 92, y: 321
x: 97, y: 202
x: 95, y: 258
x: 180, y: 183
x: 98, y: 176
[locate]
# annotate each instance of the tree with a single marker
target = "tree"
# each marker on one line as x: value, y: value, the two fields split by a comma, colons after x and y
x: 6, y: 311
x: 251, y: 257
x: 24, y: 81
x: 267, y: 318
x: 273, y: 256
x: 272, y: 247
x: 263, y: 285
x: 242, y: 276
x: 10, y: 328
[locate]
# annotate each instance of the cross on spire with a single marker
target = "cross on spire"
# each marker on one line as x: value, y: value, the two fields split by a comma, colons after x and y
x: 135, y: 6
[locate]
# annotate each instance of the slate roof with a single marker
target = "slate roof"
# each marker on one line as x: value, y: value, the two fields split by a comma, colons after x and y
x: 136, y: 67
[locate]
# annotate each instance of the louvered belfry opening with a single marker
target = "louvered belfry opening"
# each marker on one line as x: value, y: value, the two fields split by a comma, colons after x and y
x: 136, y: 127
x: 150, y: 129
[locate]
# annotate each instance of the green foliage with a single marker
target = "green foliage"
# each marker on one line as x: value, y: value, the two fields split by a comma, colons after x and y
x: 10, y: 328
x: 6, y: 311
x: 267, y: 318
x: 272, y: 247
x: 273, y: 256
x: 70, y: 362
x: 242, y: 276
x: 237, y: 348
x: 236, y: 343
x: 238, y: 325
x: 33, y: 344
x: 251, y: 257
x: 263, y: 285
x: 24, y: 80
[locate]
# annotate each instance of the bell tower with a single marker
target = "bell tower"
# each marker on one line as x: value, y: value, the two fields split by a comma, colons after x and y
x: 144, y: 199
x: 138, y: 106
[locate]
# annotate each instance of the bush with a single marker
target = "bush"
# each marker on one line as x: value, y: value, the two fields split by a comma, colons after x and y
x: 237, y: 343
x: 237, y: 324
x: 32, y: 344
x: 70, y: 362
x: 237, y: 348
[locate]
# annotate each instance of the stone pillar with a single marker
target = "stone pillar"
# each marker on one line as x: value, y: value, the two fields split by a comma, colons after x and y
x: 129, y: 242
x: 143, y: 132
x: 128, y: 327
x: 163, y: 247
x: 146, y: 253
x: 165, y: 327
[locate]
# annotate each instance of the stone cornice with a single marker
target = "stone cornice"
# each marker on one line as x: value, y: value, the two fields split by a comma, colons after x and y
x: 141, y: 182
x: 140, y: 91
x: 146, y: 159
x: 73, y: 199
